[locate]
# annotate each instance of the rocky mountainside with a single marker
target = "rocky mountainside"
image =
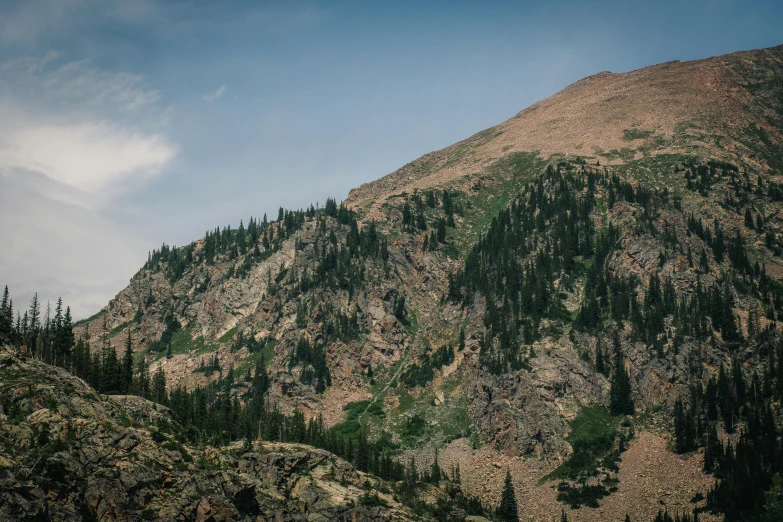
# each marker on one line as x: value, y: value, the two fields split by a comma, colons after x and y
x: 69, y: 453
x: 586, y: 295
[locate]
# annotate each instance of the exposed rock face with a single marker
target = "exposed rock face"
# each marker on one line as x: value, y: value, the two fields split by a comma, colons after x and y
x: 70, y: 454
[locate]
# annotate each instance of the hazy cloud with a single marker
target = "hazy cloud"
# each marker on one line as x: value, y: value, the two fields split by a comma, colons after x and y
x: 73, y: 138
x: 94, y: 157
x: 59, y: 249
x: 209, y: 98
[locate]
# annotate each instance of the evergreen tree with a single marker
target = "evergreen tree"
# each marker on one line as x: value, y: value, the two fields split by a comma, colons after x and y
x: 6, y: 318
x: 600, y: 365
x: 435, y: 473
x: 158, y: 392
x: 127, y: 365
x: 143, y: 379
x: 507, y: 510
x: 620, y: 399
x: 32, y: 324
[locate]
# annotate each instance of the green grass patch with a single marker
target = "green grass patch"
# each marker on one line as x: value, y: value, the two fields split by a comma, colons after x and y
x: 597, y: 439
x: 267, y: 352
x: 182, y: 342
x: 353, y: 412
x: 228, y: 336
x: 626, y: 154
x: 91, y: 318
x: 406, y: 401
x: 593, y: 435
x: 454, y: 421
x: 118, y: 329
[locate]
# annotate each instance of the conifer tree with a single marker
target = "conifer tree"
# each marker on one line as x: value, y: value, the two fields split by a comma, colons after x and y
x: 620, y: 399
x: 6, y: 318
x: 435, y: 474
x: 127, y: 365
x: 507, y: 510
x: 600, y: 367
x: 158, y: 392
x: 143, y: 379
x: 32, y: 323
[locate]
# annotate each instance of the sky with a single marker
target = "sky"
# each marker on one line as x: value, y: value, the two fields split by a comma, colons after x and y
x: 127, y: 124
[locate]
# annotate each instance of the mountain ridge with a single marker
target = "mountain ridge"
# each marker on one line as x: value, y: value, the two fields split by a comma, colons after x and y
x: 587, y: 138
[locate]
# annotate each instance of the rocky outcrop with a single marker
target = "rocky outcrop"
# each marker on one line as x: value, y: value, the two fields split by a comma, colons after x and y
x: 70, y: 454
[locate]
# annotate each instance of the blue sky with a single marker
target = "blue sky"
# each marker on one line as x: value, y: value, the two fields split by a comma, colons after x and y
x: 127, y: 124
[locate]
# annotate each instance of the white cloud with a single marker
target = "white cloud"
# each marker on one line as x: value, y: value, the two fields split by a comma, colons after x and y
x: 209, y: 98
x: 94, y: 157
x: 61, y: 119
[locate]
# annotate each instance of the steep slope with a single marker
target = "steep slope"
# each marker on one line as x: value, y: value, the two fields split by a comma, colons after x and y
x: 705, y: 107
x: 487, y: 298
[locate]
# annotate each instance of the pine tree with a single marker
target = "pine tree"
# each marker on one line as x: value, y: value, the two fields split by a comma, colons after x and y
x: 66, y: 337
x: 621, y: 401
x: 748, y: 218
x: 143, y: 379
x: 507, y: 510
x: 435, y: 474
x: 6, y: 318
x: 127, y: 365
x: 599, y: 359
x: 32, y: 325
x: 158, y: 392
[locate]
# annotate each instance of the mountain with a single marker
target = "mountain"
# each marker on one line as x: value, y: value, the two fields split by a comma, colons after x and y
x: 587, y: 296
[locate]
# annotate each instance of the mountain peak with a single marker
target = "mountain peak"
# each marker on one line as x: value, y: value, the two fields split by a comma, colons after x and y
x: 699, y: 107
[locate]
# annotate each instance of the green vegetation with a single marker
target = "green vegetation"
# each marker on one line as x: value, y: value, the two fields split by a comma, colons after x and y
x: 626, y: 154
x: 413, y: 428
x: 423, y: 372
x: 266, y: 354
x: 492, y: 192
x: 228, y: 336
x: 636, y: 134
x: 454, y: 419
x: 90, y: 319
x: 182, y: 342
x: 508, y: 510
x: 353, y: 413
x: 528, y: 246
x: 594, y: 438
x: 117, y: 329
x: 597, y: 439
